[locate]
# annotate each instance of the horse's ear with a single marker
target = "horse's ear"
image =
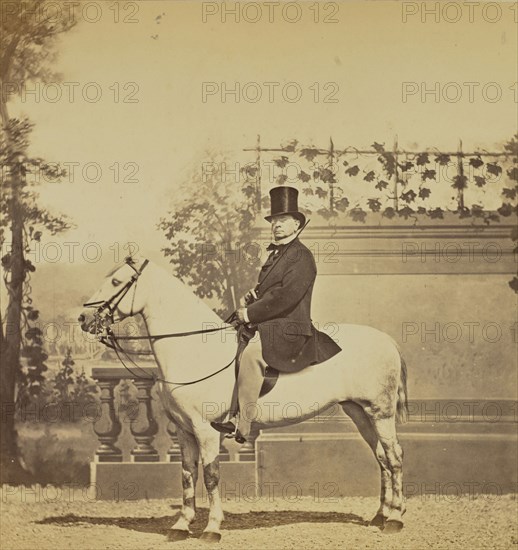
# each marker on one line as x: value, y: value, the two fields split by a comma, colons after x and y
x: 135, y: 259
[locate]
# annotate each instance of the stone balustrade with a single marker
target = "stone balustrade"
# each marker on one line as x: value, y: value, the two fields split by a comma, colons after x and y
x: 143, y: 424
x: 323, y: 454
x: 442, y: 292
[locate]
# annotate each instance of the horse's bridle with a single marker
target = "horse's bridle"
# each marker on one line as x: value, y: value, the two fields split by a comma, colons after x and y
x: 106, y: 308
x: 103, y: 318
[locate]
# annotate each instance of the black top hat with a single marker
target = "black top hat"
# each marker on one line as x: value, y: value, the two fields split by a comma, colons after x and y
x: 283, y: 200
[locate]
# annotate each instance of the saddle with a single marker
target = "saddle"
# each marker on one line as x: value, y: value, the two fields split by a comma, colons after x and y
x: 271, y: 376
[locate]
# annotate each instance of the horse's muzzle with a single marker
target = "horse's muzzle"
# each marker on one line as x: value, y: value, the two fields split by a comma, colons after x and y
x: 87, y: 325
x: 96, y: 324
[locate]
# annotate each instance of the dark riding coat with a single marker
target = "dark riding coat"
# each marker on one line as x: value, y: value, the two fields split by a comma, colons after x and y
x: 282, y: 311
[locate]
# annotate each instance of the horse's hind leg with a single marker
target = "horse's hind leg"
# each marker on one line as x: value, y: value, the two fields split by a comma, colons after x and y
x: 364, y: 425
x: 190, y: 454
x: 386, y: 431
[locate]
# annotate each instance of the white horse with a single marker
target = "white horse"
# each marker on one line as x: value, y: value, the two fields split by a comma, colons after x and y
x: 367, y: 378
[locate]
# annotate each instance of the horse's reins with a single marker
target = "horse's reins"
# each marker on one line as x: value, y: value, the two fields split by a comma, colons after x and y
x: 111, y: 341
x: 117, y: 348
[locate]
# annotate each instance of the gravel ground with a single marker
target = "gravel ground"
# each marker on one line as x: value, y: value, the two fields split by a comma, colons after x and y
x: 465, y: 522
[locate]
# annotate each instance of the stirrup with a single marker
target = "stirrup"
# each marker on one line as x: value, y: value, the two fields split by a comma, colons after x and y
x: 239, y: 437
x: 224, y: 427
x: 236, y: 436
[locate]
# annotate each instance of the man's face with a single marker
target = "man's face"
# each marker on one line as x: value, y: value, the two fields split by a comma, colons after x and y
x: 283, y: 226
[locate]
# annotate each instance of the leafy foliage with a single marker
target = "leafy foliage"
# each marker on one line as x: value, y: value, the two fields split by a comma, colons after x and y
x: 64, y: 396
x: 63, y: 379
x: 212, y: 239
x: 28, y: 40
x: 403, y: 183
x: 20, y: 201
x: 31, y: 377
x: 18, y: 168
x: 27, y: 44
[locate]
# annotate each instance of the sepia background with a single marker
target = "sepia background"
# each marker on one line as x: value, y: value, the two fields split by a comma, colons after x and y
x: 396, y: 121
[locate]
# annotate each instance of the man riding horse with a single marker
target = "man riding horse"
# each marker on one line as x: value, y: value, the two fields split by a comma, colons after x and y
x: 280, y: 309
x: 367, y: 379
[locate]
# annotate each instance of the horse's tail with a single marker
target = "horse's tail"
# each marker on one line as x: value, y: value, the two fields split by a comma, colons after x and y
x: 402, y: 394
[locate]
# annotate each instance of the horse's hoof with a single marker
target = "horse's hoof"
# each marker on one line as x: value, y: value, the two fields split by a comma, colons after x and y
x: 210, y: 536
x: 174, y: 535
x: 378, y: 520
x: 393, y: 526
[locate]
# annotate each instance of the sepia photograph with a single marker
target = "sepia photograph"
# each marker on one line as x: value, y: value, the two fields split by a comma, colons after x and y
x: 259, y: 274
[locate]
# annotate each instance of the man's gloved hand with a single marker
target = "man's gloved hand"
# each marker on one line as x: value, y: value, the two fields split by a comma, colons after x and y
x: 240, y: 316
x: 237, y: 318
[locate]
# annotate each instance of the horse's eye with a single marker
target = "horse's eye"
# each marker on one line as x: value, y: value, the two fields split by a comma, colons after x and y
x: 116, y: 282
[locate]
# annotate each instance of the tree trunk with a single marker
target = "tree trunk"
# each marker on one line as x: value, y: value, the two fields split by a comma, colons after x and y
x: 11, y: 469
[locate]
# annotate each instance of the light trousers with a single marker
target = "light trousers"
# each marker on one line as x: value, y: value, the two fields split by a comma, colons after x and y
x: 249, y: 382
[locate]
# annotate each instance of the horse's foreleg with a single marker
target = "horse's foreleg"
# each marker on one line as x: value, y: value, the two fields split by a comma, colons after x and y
x: 386, y: 431
x: 190, y: 454
x: 209, y: 446
x: 366, y: 429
